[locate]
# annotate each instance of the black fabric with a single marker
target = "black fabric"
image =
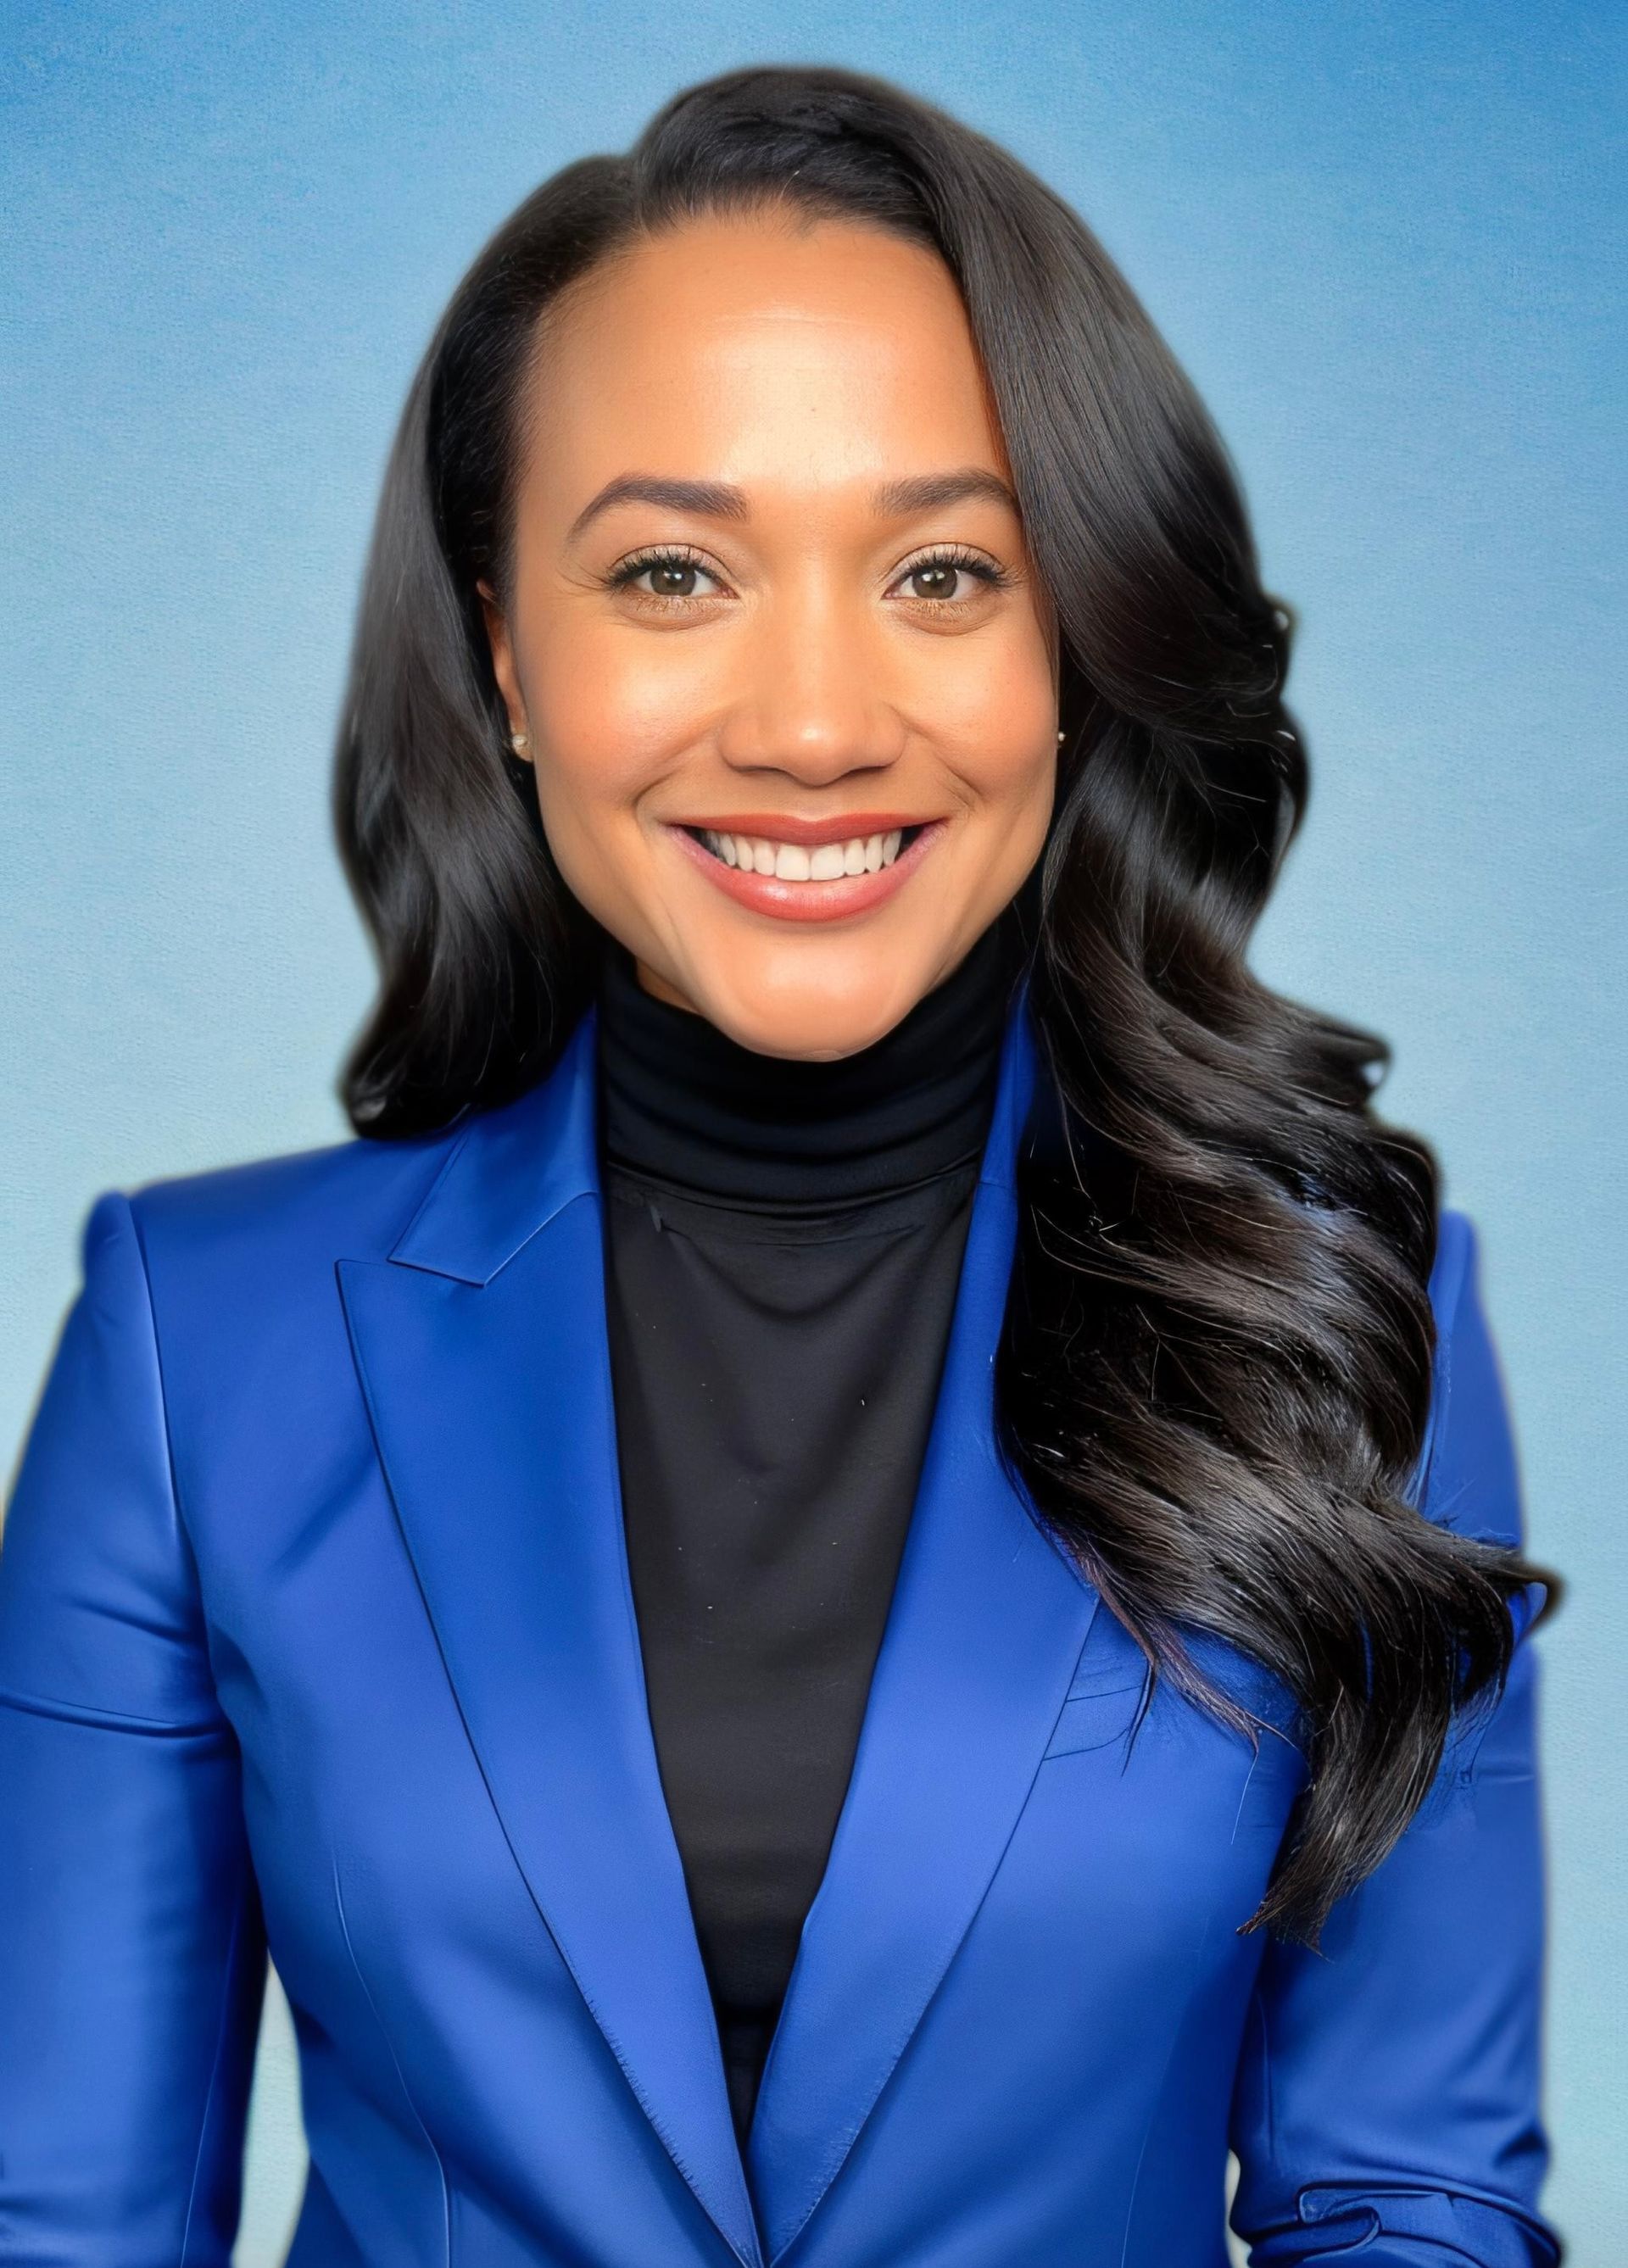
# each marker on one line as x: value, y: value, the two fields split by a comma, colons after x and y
x: 778, y: 1321
x: 681, y: 1101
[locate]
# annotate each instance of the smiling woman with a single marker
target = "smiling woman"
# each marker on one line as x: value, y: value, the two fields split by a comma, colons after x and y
x: 854, y: 1581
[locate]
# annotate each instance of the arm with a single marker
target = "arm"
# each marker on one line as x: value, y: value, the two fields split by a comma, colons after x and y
x: 131, y: 1958
x: 1389, y: 2088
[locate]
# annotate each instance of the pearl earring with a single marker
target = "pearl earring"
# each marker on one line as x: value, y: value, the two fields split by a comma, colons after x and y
x: 520, y: 742
x: 1061, y: 737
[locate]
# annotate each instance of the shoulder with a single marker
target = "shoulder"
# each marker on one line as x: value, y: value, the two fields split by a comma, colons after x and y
x: 1466, y: 1477
x: 220, y: 1291
x: 1454, y: 1264
x: 242, y: 1265
x: 351, y: 1197
x: 247, y: 1248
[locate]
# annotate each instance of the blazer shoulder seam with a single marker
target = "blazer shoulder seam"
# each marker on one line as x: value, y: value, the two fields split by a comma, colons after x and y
x: 178, y: 1509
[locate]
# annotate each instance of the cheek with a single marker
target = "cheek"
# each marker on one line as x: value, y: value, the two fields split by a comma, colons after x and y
x: 996, y: 720
x: 614, y: 702
x: 602, y: 732
x: 1010, y: 777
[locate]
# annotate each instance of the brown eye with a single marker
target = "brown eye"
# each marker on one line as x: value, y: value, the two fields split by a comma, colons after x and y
x: 671, y: 575
x: 673, y: 578
x: 950, y: 578
x: 935, y: 579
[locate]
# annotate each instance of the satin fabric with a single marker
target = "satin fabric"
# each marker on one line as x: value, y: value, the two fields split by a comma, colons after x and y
x: 316, y: 1629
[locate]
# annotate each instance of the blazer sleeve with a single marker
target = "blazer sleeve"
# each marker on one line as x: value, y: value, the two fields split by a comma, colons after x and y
x: 1386, y: 2102
x: 132, y: 1962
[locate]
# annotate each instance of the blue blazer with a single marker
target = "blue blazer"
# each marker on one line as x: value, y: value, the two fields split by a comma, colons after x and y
x: 316, y: 1630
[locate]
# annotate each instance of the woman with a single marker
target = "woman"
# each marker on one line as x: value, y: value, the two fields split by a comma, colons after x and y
x: 856, y: 1584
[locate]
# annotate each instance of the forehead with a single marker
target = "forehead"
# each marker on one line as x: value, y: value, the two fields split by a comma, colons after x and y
x: 763, y: 350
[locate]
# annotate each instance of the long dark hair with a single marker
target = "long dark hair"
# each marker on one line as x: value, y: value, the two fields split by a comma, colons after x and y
x: 1216, y: 1363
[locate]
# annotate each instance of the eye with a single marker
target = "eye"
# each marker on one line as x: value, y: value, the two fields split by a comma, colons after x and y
x: 673, y: 575
x: 951, y: 577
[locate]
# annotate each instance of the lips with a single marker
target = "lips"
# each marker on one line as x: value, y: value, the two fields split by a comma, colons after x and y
x: 808, y: 870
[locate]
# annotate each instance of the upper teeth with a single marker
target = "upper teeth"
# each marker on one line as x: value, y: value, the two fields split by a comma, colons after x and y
x: 791, y: 862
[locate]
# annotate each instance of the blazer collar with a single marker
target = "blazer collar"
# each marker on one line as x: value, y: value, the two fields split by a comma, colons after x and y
x: 513, y: 1169
x: 509, y: 1173
x: 481, y: 1346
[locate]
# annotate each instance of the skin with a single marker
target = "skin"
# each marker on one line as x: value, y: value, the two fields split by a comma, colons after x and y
x: 801, y: 661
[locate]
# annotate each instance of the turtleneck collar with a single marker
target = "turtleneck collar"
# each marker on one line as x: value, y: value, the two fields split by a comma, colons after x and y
x: 683, y: 1104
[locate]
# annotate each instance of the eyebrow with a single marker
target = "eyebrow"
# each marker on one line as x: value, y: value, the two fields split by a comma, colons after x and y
x: 718, y: 500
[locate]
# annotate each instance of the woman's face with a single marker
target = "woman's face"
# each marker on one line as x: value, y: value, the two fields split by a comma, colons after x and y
x: 786, y: 669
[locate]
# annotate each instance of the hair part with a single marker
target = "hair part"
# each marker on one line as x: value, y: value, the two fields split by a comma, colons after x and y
x: 1215, y: 1366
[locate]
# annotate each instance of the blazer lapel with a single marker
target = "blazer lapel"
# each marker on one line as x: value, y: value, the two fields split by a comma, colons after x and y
x: 986, y: 1625
x: 482, y: 1347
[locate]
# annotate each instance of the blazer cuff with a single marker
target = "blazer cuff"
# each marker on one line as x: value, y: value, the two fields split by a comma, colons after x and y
x: 1406, y: 2228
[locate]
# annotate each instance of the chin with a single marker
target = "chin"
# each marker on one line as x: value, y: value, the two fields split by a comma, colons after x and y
x: 809, y: 1025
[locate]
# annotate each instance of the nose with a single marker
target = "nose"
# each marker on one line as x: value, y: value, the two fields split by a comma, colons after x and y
x: 812, y: 706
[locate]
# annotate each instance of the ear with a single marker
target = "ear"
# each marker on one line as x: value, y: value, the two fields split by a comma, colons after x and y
x: 503, y: 657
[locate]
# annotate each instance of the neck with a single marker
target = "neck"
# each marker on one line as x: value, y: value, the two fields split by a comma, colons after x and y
x: 683, y: 1104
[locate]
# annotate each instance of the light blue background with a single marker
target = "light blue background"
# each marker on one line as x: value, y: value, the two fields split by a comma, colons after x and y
x: 1386, y: 242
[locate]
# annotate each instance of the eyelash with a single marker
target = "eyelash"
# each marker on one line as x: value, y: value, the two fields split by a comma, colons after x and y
x: 984, y: 570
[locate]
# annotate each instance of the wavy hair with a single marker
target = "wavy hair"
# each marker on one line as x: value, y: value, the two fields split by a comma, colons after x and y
x: 1215, y: 1366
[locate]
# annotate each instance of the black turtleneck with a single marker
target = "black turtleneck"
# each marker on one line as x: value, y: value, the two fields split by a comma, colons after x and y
x: 784, y: 1243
